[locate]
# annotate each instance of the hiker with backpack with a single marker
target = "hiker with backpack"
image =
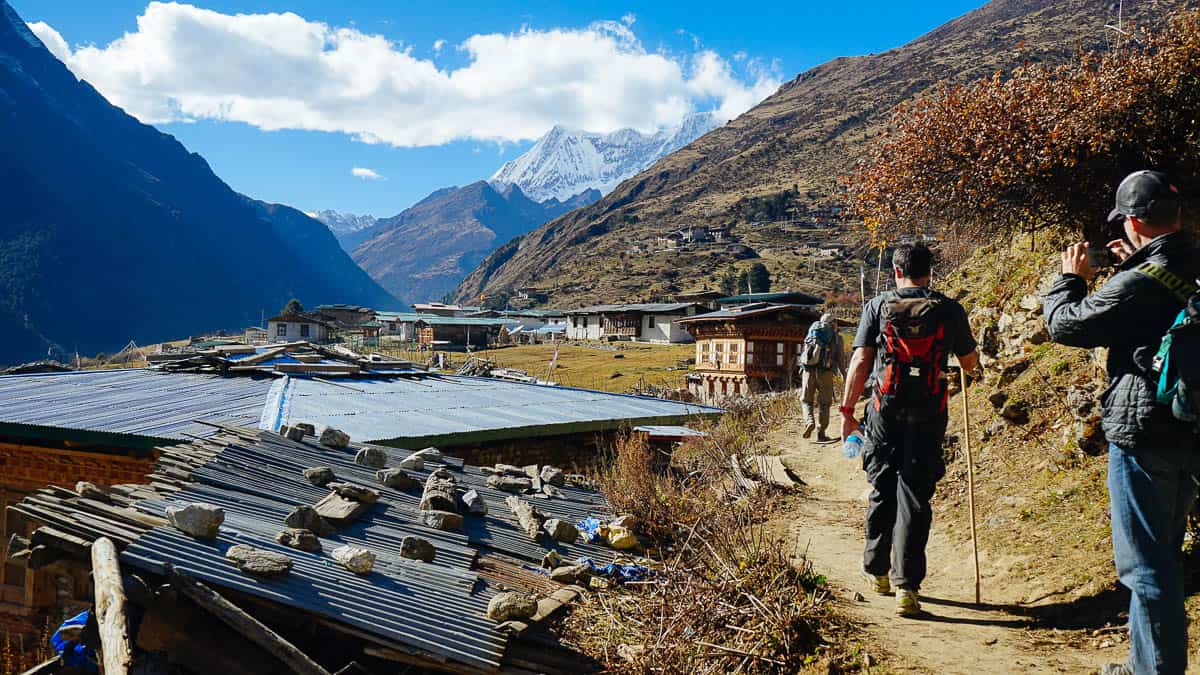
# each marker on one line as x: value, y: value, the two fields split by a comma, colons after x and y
x: 820, y: 359
x: 905, y: 338
x: 1153, y: 451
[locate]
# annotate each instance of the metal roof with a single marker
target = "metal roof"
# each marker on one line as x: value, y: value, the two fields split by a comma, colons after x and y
x: 453, y: 410
x: 128, y: 405
x: 749, y: 311
x: 649, y: 307
x: 464, y: 321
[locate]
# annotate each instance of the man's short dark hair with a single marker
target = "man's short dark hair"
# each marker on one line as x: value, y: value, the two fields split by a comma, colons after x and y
x: 913, y: 260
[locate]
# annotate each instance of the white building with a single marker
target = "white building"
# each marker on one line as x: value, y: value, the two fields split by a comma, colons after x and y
x: 645, y: 322
x: 293, y: 327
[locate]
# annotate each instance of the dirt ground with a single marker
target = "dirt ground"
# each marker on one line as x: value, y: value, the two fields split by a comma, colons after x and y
x: 1008, y: 633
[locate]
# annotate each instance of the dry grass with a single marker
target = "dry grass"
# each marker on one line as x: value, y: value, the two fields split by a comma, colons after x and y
x: 19, y: 653
x: 729, y: 596
x: 597, y: 366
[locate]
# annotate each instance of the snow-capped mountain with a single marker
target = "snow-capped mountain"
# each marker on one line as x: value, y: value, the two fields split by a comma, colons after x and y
x: 565, y: 162
x: 345, y: 226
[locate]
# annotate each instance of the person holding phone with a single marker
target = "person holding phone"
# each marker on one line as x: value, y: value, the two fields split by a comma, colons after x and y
x: 1152, y: 458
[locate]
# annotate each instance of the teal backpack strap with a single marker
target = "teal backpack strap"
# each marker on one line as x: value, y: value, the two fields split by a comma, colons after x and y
x: 1180, y: 288
x: 1168, y: 382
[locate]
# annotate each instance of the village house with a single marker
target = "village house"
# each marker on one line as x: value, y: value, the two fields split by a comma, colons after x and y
x: 706, y: 299
x: 646, y: 322
x: 749, y: 349
x: 303, y: 326
x: 448, y: 332
x: 254, y: 335
x: 347, y: 315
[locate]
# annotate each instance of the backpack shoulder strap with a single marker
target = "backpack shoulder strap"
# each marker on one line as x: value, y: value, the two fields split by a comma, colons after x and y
x: 1182, y: 289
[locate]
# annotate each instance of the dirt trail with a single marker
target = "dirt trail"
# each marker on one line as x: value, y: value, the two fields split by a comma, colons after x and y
x: 954, y: 636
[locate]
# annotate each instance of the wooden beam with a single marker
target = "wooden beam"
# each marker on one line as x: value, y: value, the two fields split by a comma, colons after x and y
x: 246, y: 625
x: 110, y: 608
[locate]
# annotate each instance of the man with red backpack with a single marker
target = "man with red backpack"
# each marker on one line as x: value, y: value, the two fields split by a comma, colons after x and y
x: 905, y: 337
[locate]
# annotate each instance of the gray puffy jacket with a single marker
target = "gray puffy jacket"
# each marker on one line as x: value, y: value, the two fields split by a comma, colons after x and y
x: 1129, y: 315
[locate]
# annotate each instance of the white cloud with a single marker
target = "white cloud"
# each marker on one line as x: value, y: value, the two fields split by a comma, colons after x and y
x: 437, y: 45
x: 281, y: 71
x: 629, y: 19
x: 365, y: 173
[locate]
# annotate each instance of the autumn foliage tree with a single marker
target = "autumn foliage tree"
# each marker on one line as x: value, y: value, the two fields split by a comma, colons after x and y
x: 1040, y: 147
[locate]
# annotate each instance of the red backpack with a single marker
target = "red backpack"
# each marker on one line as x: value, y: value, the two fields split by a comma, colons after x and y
x: 913, y: 332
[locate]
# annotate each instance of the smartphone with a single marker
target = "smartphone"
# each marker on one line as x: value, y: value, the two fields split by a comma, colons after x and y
x: 1100, y: 256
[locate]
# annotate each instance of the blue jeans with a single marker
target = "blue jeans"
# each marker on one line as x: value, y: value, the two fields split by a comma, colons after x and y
x: 1151, y: 498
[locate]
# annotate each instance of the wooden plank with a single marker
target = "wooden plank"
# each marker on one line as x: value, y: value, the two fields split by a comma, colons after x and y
x: 317, y: 368
x: 50, y: 667
x: 110, y: 608
x: 246, y: 625
x: 772, y: 470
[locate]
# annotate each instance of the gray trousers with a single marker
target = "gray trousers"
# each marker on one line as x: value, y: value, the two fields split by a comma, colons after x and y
x: 816, y: 389
x: 904, y: 462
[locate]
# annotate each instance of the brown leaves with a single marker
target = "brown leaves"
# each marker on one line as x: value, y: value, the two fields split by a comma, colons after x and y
x: 1040, y: 147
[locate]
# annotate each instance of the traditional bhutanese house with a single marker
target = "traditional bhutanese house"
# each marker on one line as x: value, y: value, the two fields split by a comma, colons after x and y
x: 778, y: 298
x: 441, y: 332
x: 292, y: 327
x: 706, y: 299
x: 750, y: 349
x: 255, y: 335
x: 645, y: 322
x: 111, y: 427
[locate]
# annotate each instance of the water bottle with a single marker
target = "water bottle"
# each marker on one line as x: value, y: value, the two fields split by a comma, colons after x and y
x: 853, y: 445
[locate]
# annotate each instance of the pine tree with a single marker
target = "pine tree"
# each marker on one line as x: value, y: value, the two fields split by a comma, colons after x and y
x: 293, y: 306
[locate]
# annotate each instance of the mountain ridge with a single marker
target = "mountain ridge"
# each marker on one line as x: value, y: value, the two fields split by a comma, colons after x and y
x: 115, y: 230
x: 791, y: 148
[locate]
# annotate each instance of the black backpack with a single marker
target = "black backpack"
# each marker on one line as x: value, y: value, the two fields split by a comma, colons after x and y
x: 913, y: 333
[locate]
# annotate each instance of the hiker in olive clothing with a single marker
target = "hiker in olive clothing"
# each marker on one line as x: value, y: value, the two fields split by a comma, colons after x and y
x: 907, y: 336
x: 821, y: 358
x: 1152, y: 457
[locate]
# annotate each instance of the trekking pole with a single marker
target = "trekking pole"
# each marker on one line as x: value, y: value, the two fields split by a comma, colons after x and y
x: 962, y: 372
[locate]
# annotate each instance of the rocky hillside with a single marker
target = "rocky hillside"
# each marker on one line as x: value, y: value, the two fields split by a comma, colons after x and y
x: 425, y: 251
x: 112, y: 230
x: 773, y: 172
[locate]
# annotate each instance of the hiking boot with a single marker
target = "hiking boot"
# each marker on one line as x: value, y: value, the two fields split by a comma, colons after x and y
x: 1115, y: 669
x: 880, y: 585
x: 822, y: 438
x: 907, y: 603
x: 809, y: 428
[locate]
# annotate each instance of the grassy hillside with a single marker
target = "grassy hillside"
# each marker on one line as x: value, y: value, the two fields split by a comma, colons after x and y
x: 773, y: 172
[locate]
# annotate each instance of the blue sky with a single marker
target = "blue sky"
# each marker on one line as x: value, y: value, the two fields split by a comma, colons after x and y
x: 281, y: 106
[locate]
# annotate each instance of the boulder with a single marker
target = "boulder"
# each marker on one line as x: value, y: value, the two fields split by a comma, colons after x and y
x: 511, y: 605
x: 1031, y: 303
x: 340, y: 511
x: 998, y: 398
x: 355, y: 559
x: 1016, y: 412
x: 474, y: 503
x: 529, y: 518
x: 429, y: 454
x: 442, y: 520
x: 510, y: 470
x: 356, y: 492
x: 334, y: 438
x: 202, y: 521
x: 621, y: 538
x: 627, y: 521
x: 306, y: 428
x: 561, y: 530
x: 412, y: 462
x: 554, y: 476
x: 552, y: 560
x: 91, y: 491
x: 571, y: 574
x: 395, y: 479
x: 509, y: 483
x: 292, y: 433
x: 307, y: 518
x: 531, y: 471
x: 299, y: 538
x: 416, y: 548
x: 257, y: 561
x: 373, y: 458
x: 439, y: 494
x: 319, y: 475
x: 551, y: 491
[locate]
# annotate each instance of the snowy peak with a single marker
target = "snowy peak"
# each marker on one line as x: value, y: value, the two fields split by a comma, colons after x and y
x: 566, y: 162
x: 341, y: 223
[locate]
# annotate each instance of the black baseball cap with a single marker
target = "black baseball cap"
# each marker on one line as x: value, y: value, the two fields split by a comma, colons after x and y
x: 1139, y: 191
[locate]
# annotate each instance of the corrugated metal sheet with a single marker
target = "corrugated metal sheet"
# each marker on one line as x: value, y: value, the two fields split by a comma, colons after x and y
x: 435, y: 410
x: 134, y: 401
x: 418, y: 613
